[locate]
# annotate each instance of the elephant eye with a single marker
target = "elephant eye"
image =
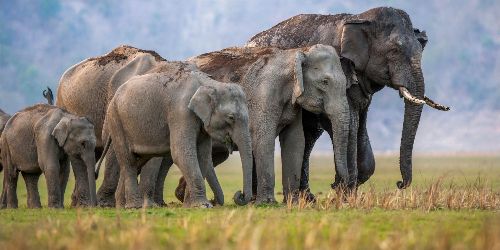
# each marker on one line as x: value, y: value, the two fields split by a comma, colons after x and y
x: 230, y: 117
x: 324, y: 81
x: 83, y: 144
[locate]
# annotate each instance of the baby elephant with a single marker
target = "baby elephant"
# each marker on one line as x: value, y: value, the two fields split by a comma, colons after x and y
x: 175, y: 111
x: 43, y: 139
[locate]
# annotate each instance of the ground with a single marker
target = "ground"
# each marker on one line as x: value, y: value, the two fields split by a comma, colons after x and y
x: 453, y: 203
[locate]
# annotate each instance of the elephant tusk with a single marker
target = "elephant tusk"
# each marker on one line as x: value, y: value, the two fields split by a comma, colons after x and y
x: 435, y: 105
x: 406, y: 94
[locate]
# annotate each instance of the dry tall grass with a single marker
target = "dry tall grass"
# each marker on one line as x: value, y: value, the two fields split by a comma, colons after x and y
x: 300, y: 225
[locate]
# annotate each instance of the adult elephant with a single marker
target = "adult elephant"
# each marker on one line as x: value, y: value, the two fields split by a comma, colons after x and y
x: 4, y: 117
x: 278, y: 85
x: 379, y: 47
x: 86, y: 88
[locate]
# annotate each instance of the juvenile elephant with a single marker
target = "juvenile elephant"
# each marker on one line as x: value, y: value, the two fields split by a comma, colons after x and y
x: 44, y: 139
x: 86, y: 88
x: 175, y: 111
x: 278, y: 84
x: 379, y: 47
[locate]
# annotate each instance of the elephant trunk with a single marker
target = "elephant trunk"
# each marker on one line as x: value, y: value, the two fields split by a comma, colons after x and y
x: 242, y: 139
x: 338, y: 113
x: 412, y: 115
x: 89, y: 160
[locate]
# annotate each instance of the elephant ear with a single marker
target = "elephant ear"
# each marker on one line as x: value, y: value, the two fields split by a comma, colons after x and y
x: 203, y: 103
x: 61, y: 131
x: 298, y: 85
x: 354, y: 43
x: 421, y: 37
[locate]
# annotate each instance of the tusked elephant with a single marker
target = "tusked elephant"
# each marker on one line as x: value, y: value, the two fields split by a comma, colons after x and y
x: 86, y: 88
x: 44, y: 139
x: 379, y: 47
x: 175, y: 111
x: 278, y: 84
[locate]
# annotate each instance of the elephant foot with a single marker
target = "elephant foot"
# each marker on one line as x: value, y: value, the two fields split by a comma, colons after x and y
x: 180, y: 190
x: 134, y: 204
x: 160, y: 203
x: 106, y: 200
x: 265, y: 200
x: 56, y: 205
x: 34, y: 206
x: 308, y: 196
x: 12, y: 206
x: 198, y: 203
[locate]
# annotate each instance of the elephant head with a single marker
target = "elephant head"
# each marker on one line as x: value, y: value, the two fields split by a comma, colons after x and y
x: 77, y: 138
x: 387, y: 51
x: 320, y: 87
x: 222, y: 109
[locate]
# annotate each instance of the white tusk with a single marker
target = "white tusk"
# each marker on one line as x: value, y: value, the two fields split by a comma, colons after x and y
x: 406, y: 94
x: 435, y: 105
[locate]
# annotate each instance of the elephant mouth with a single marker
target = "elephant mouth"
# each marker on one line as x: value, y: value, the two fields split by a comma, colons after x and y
x: 228, y: 142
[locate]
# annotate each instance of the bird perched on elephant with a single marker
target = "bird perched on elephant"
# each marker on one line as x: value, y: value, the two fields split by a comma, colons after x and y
x: 175, y: 111
x: 86, y: 88
x: 379, y: 47
x: 278, y: 84
x: 45, y: 139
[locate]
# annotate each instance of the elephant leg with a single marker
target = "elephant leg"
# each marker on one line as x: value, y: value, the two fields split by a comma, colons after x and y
x: 128, y: 176
x: 53, y: 185
x: 312, y: 131
x: 63, y: 177
x: 217, y: 158
x: 254, y: 180
x: 106, y: 193
x: 366, y: 159
x: 31, y: 181
x: 81, y: 183
x: 166, y: 163
x: 120, y: 193
x: 148, y: 178
x: 180, y: 190
x: 292, y: 152
x: 263, y: 137
x: 11, y: 188
x: 3, y: 197
x: 184, y: 153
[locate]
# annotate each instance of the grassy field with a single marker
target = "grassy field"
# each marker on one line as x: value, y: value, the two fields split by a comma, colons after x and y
x: 453, y: 203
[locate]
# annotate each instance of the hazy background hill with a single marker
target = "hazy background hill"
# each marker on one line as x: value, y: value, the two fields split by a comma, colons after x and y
x: 41, y: 39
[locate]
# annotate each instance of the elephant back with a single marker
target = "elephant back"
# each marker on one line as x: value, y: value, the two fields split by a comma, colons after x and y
x: 86, y: 88
x: 231, y: 64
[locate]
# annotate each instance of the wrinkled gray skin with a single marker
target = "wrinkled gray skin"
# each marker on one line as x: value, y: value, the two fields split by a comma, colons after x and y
x: 4, y: 117
x: 86, y: 88
x: 278, y: 84
x: 59, y: 137
x: 175, y: 112
x: 378, y: 48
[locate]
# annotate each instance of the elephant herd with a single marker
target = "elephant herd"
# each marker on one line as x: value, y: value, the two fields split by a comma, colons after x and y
x: 141, y: 113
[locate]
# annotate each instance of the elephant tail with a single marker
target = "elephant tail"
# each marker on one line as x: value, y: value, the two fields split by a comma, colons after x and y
x: 49, y: 96
x: 104, y: 152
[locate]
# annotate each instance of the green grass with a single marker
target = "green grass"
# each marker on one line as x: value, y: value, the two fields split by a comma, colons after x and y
x: 453, y: 204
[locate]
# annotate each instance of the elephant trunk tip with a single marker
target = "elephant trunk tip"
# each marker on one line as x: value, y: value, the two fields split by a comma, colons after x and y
x: 240, y: 199
x: 403, y: 184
